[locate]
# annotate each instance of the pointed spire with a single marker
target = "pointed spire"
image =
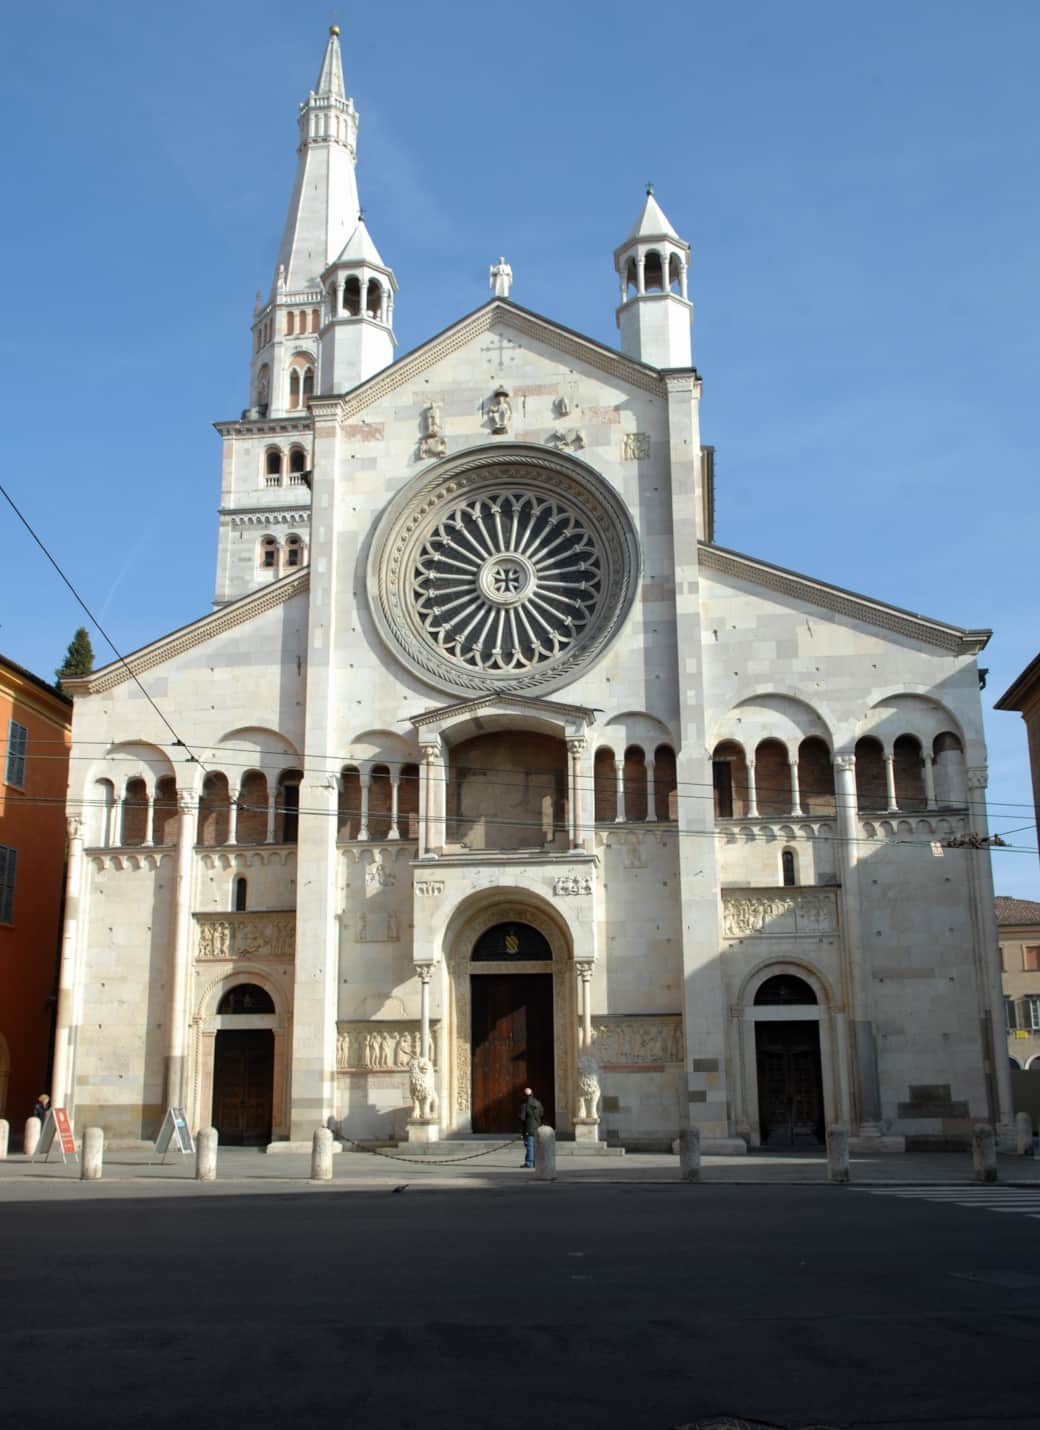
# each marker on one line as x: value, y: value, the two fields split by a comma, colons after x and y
x: 330, y: 76
x: 360, y: 247
x: 652, y: 221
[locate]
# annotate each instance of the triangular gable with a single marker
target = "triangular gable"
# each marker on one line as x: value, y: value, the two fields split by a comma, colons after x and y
x: 217, y: 623
x: 843, y: 603
x: 498, y: 313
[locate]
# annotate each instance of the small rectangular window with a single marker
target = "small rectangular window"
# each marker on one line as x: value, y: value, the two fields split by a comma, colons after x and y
x: 8, y: 866
x: 1031, y: 957
x: 17, y: 742
x: 1011, y: 1013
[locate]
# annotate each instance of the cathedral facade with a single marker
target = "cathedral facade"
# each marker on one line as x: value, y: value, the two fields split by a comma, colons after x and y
x: 492, y: 768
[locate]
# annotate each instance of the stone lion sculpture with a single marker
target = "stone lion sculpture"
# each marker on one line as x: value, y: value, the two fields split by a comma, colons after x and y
x: 588, y: 1088
x: 421, y: 1088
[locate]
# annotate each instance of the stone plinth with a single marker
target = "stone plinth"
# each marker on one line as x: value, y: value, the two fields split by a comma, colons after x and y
x: 586, y: 1129
x: 423, y: 1132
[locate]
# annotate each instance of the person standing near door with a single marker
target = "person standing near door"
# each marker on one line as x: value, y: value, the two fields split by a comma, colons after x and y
x: 531, y: 1114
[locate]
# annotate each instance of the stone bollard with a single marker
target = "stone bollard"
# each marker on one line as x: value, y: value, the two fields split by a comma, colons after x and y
x: 206, y: 1155
x: 1023, y: 1134
x: 93, y: 1153
x: 837, y: 1154
x: 33, y: 1128
x: 690, y: 1154
x: 545, y: 1155
x: 321, y: 1156
x: 984, y: 1152
x: 5, y: 1136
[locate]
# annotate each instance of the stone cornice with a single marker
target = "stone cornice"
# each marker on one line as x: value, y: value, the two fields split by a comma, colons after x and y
x: 267, y: 516
x: 850, y: 604
x: 217, y: 623
x: 513, y: 704
x: 266, y: 426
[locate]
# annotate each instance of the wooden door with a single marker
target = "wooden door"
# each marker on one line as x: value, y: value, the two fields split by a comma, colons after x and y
x: 512, y: 1039
x: 790, y: 1085
x: 243, y: 1086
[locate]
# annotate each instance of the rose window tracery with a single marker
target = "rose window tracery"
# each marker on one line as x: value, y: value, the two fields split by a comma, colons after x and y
x: 503, y: 571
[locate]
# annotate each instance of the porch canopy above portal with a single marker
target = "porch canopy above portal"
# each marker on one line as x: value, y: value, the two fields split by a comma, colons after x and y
x: 493, y: 712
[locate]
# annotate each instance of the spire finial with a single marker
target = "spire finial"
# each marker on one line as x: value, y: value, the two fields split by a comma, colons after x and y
x: 333, y: 29
x: 649, y: 189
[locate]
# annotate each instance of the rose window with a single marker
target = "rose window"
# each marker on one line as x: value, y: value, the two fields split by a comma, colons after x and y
x: 503, y: 571
x: 507, y: 580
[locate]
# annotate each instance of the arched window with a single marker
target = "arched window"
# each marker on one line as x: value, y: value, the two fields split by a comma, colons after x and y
x: 164, y: 812
x: 379, y: 802
x: 604, y: 784
x: 103, y: 814
x: 308, y: 383
x: 373, y: 298
x: 293, y: 551
x: 239, y: 894
x: 352, y: 297
x: 773, y: 778
x: 408, y: 802
x: 273, y: 462
x: 871, y: 788
x: 135, y: 814
x: 653, y: 273
x: 730, y: 778
x: 815, y: 777
x: 635, y: 783
x: 349, y: 824
x: 665, y: 792
x: 251, y: 823
x: 294, y: 387
x: 909, y: 776
x: 784, y: 988
x: 315, y: 319
x: 245, y: 998
x: 631, y: 279
x: 674, y: 273
x: 290, y: 324
x: 288, y: 817
x: 214, y: 811
x: 269, y: 554
x: 297, y: 460
x: 789, y: 867
x: 951, y: 788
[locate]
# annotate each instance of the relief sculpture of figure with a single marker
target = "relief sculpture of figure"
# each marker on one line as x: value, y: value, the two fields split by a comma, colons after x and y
x: 432, y: 443
x: 500, y: 412
x: 422, y: 1090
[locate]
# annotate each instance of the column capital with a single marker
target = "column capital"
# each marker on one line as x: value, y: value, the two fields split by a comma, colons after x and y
x: 577, y: 745
x: 431, y: 752
x: 186, y: 802
x: 424, y: 972
x: 845, y: 763
x: 74, y: 826
x: 584, y: 967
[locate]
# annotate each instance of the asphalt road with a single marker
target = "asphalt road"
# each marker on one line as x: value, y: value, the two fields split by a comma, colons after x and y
x: 640, y: 1308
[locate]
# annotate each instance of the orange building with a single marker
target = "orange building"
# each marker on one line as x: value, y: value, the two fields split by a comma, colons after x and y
x: 35, y: 731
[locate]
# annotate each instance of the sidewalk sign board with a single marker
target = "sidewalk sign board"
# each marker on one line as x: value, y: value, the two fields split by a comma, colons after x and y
x: 174, y: 1129
x: 56, y: 1121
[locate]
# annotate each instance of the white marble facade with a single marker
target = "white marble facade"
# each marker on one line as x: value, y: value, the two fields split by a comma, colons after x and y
x: 497, y: 672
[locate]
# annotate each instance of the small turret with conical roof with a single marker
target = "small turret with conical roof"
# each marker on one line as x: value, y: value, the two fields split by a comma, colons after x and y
x: 655, y: 312
x: 357, y: 337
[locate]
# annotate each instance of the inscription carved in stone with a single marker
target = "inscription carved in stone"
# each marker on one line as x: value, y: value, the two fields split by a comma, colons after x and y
x: 428, y: 888
x: 572, y: 884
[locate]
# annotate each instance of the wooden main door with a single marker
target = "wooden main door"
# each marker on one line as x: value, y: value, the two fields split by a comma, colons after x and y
x: 790, y: 1087
x: 243, y: 1086
x: 512, y: 1030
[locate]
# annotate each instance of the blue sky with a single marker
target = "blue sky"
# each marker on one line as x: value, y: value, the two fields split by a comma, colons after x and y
x: 859, y: 188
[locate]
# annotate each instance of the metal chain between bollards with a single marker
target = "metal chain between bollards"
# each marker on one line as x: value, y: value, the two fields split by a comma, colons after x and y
x: 429, y: 1161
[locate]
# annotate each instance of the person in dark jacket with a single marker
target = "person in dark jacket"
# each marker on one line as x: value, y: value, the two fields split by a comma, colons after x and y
x: 41, y: 1107
x: 531, y: 1114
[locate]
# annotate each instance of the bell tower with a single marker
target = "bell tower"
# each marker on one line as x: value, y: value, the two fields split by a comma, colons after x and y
x: 655, y: 313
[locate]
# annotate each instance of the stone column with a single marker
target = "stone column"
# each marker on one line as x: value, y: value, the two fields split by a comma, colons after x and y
x: 424, y: 972
x: 929, y: 781
x: 752, y: 791
x: 986, y: 941
x: 619, y: 777
x: 366, y: 784
x: 584, y: 969
x: 426, y: 811
x: 395, y: 785
x: 65, y: 1032
x: 316, y: 969
x: 651, y: 793
x: 272, y: 813
x: 866, y: 1087
x: 796, y: 794
x: 180, y: 953
x: 890, y: 781
x: 576, y: 748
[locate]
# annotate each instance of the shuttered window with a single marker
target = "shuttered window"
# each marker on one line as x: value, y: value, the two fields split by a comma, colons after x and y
x: 8, y: 865
x: 17, y: 740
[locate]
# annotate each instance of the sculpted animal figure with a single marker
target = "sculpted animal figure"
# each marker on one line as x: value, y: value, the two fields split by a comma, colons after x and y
x: 423, y: 1092
x: 588, y: 1087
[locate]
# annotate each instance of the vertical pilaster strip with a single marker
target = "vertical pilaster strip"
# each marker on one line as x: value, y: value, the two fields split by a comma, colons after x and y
x: 63, y: 1071
x: 180, y: 952
x: 986, y: 946
x: 866, y: 1088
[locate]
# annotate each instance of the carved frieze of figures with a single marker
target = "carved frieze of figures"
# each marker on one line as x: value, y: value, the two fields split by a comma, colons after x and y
x: 381, y: 1047
x: 428, y: 888
x: 573, y: 439
x: 636, y: 1040
x: 572, y: 884
x: 245, y: 936
x: 635, y: 447
x: 746, y: 912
